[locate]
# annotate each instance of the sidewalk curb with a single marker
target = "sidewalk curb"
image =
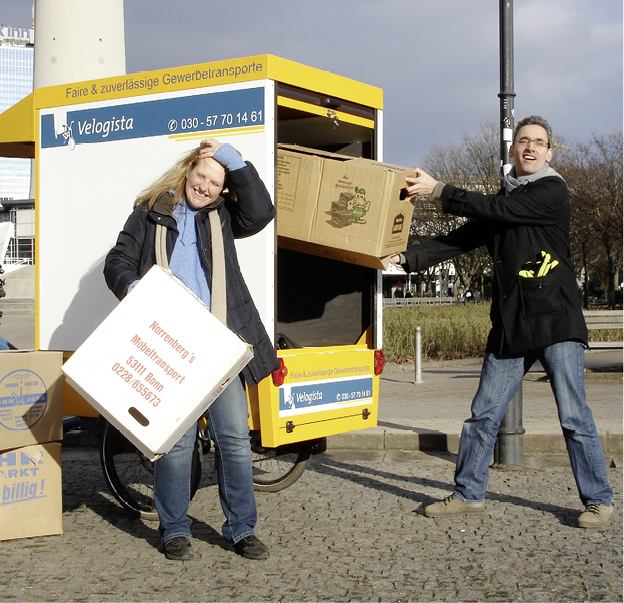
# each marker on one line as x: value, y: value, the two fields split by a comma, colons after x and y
x: 377, y: 438
x: 607, y: 372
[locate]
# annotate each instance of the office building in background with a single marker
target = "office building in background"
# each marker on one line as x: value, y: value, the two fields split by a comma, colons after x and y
x: 17, y: 58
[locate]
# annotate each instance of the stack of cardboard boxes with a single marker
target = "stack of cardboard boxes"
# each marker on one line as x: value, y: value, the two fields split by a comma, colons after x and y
x: 31, y: 427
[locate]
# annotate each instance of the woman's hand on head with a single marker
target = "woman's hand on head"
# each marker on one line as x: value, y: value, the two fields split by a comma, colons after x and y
x: 208, y: 147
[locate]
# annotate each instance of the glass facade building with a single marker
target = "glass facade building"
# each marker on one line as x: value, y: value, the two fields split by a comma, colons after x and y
x: 17, y: 57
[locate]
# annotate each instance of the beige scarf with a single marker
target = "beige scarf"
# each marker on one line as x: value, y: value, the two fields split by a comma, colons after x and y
x: 217, y: 291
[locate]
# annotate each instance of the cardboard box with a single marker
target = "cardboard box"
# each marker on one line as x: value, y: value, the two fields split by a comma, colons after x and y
x: 156, y: 362
x: 30, y: 482
x: 350, y: 209
x: 31, y: 398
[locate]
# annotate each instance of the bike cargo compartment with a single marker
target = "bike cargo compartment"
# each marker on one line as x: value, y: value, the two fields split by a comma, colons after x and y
x: 324, y: 320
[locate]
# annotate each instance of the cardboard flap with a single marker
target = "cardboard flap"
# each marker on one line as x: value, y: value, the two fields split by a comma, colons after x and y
x: 295, y: 148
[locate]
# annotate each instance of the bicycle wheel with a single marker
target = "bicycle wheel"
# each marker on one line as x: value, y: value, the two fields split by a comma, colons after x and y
x: 277, y: 468
x: 130, y: 474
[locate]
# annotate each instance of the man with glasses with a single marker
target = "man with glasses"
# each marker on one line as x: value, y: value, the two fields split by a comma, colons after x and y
x: 536, y: 315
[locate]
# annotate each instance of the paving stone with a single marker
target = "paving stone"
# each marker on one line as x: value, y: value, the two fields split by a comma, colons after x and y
x: 351, y: 529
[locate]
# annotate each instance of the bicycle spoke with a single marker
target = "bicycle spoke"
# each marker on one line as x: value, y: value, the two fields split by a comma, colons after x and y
x: 273, y: 471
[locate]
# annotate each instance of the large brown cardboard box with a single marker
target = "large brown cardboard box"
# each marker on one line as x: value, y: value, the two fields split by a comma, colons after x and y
x: 30, y: 483
x: 345, y: 208
x: 31, y: 398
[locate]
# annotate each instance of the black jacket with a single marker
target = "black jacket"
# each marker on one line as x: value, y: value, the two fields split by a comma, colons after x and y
x: 134, y: 254
x: 527, y: 313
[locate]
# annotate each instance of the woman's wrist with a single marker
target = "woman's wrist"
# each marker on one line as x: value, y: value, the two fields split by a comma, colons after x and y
x: 229, y: 158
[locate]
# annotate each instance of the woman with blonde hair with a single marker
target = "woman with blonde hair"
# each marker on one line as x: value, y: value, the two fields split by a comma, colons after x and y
x: 187, y: 221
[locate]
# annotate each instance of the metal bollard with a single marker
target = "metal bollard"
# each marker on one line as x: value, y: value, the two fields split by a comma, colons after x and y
x: 417, y: 356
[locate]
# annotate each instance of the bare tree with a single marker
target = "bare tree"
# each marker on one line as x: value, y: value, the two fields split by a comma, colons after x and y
x: 594, y: 175
x: 472, y: 164
x: 585, y: 248
x: 593, y: 172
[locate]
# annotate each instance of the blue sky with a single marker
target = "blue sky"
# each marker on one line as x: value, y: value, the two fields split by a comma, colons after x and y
x: 437, y: 61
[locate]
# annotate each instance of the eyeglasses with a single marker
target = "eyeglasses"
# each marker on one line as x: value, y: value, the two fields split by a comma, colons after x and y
x: 538, y: 142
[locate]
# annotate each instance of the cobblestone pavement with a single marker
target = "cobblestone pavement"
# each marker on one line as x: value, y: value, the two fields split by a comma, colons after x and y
x: 351, y: 529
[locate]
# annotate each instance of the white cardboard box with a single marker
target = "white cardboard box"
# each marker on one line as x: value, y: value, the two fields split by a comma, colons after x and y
x: 156, y: 362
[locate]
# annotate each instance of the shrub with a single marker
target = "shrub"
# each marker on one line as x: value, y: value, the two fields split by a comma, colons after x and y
x: 447, y: 332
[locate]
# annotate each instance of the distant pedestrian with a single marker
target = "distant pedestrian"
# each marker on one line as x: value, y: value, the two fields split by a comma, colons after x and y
x: 398, y: 291
x: 536, y: 315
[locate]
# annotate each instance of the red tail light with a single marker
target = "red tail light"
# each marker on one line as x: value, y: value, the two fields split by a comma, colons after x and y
x: 280, y: 374
x: 379, y: 362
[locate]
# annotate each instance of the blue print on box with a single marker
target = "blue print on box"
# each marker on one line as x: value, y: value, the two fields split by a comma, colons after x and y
x: 23, y: 399
x: 19, y: 476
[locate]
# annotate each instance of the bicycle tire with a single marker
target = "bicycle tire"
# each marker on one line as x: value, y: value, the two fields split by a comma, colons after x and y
x: 130, y: 474
x: 275, y: 469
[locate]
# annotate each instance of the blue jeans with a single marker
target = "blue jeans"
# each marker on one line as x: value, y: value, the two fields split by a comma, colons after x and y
x: 229, y: 428
x: 501, y: 377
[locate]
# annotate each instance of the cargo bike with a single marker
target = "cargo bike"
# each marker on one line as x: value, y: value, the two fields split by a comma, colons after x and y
x: 321, y: 304
x: 289, y: 417
x: 129, y: 473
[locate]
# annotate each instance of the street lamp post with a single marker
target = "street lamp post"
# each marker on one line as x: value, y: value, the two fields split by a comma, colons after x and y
x: 506, y: 93
x: 508, y: 449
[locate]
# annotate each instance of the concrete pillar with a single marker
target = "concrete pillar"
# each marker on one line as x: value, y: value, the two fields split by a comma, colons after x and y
x: 78, y: 40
